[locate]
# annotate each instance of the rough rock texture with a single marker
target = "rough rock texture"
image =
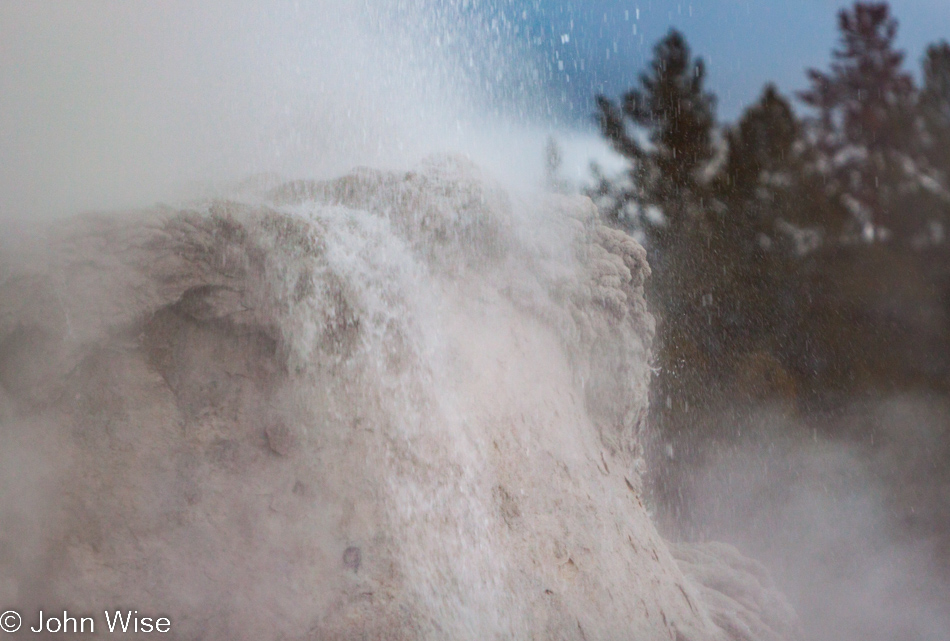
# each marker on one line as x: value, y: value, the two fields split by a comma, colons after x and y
x: 383, y: 407
x: 738, y: 592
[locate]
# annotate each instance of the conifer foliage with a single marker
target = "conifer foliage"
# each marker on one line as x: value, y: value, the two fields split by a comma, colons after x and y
x: 789, y: 253
x: 935, y: 107
x: 863, y: 129
x: 675, y: 112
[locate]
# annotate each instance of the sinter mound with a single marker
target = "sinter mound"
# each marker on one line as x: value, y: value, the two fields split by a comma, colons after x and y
x: 382, y: 407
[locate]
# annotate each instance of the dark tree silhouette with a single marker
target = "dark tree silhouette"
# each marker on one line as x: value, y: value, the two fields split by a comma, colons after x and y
x: 664, y: 127
x: 760, y: 287
x: 864, y: 119
x: 935, y: 107
x: 760, y: 186
x: 761, y: 146
x: 673, y: 109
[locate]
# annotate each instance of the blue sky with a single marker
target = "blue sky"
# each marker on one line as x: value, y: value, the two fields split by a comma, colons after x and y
x: 604, y: 44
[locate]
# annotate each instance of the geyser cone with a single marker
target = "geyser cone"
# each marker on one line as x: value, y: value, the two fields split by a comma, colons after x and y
x: 390, y: 406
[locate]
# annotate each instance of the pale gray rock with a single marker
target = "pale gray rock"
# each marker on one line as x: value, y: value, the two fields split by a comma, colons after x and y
x: 205, y: 410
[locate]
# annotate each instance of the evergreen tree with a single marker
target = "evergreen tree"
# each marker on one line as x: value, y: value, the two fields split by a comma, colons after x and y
x: 935, y: 108
x: 766, y: 180
x: 664, y: 127
x: 672, y: 107
x: 761, y: 158
x: 863, y: 132
x: 758, y: 194
x: 759, y: 187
